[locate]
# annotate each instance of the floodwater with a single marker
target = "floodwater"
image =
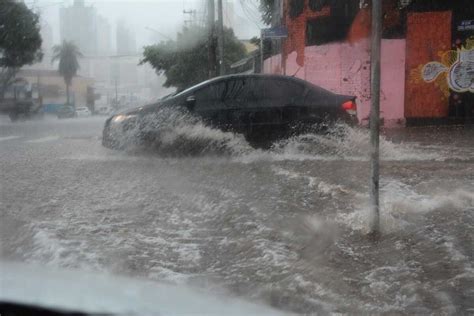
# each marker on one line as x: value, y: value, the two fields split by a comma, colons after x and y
x: 286, y: 227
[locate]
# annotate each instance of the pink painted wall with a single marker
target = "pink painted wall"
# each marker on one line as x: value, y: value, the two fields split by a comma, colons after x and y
x: 392, y: 81
x: 272, y: 65
x: 342, y: 68
x: 345, y: 68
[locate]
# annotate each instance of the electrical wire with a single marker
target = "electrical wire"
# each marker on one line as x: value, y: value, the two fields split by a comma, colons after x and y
x: 249, y: 14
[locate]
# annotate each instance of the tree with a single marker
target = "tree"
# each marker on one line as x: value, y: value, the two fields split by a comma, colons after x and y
x: 20, y: 40
x: 266, y: 8
x: 185, y: 62
x: 67, y: 53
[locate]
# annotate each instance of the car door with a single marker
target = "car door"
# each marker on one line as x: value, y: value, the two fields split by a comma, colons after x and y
x: 244, y: 96
x: 208, y: 102
x: 322, y: 104
x: 287, y: 96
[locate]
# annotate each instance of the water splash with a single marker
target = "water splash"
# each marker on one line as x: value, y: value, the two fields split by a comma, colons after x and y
x: 175, y: 132
x: 347, y: 143
x: 402, y: 207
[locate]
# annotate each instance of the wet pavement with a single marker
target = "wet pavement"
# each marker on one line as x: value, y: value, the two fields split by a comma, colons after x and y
x: 286, y: 227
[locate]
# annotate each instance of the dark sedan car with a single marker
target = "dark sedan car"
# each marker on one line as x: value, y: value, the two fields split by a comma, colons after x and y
x: 261, y: 107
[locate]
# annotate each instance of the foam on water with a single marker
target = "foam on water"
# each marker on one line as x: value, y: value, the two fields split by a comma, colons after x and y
x: 343, y: 142
x: 401, y: 206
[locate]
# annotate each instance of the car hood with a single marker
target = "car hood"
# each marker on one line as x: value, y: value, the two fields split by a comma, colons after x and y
x: 139, y: 110
x: 78, y: 291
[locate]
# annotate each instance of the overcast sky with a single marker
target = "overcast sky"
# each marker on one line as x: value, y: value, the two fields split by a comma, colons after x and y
x: 165, y: 16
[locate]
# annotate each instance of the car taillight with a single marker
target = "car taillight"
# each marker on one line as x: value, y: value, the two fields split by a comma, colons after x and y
x: 350, y: 107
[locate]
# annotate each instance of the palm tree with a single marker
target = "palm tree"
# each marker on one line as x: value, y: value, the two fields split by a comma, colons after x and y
x: 67, y: 53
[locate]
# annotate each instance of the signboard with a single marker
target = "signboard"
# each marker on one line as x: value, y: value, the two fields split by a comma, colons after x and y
x: 466, y: 25
x: 275, y: 32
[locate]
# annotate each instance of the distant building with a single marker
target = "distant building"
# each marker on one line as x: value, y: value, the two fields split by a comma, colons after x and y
x: 126, y: 43
x: 104, y: 36
x: 49, y: 86
x: 78, y: 23
x: 47, y: 37
x: 46, y: 46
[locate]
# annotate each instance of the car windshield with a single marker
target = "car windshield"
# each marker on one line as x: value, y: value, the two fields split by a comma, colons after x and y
x: 293, y: 156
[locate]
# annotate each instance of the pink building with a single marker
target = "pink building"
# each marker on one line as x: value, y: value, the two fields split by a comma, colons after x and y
x: 328, y: 44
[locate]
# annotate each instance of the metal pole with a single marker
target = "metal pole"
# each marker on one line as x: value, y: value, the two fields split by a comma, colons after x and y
x: 211, y: 47
x: 116, y: 92
x: 220, y: 37
x: 261, y: 51
x: 375, y: 113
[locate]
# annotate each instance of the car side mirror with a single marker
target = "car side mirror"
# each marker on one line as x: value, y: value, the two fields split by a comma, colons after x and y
x: 190, y: 102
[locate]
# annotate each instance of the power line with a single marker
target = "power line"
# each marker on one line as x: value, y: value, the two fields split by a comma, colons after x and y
x: 248, y: 13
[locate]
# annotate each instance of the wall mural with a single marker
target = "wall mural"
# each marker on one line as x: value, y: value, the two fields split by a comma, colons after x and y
x: 454, y: 71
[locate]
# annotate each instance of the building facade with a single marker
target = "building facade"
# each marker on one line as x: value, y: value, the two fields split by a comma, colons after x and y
x: 126, y: 42
x: 49, y: 87
x: 78, y: 23
x: 427, y: 60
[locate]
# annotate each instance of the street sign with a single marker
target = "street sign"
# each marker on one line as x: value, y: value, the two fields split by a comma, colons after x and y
x: 275, y: 32
x: 466, y: 25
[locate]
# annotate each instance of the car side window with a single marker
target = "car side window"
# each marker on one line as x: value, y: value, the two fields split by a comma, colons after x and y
x: 210, y: 97
x: 283, y: 92
x: 252, y: 92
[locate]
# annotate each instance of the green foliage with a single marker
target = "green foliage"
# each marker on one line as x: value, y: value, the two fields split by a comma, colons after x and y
x: 266, y: 9
x: 185, y: 62
x: 67, y: 53
x: 20, y: 40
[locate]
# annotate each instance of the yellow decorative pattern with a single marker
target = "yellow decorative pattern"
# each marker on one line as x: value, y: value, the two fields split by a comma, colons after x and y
x: 449, y: 73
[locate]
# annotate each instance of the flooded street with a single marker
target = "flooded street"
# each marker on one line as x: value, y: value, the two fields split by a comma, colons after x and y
x: 285, y: 227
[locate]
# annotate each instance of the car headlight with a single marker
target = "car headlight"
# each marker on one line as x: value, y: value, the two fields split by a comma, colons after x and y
x: 122, y: 117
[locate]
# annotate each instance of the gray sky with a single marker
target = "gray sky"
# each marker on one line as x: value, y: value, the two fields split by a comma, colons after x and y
x: 165, y: 16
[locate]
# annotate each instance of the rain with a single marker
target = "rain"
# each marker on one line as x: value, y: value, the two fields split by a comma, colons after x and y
x: 176, y: 198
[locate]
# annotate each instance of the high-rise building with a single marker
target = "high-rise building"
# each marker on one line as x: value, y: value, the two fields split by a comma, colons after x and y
x: 78, y: 23
x: 104, y: 36
x: 126, y: 43
x: 47, y: 37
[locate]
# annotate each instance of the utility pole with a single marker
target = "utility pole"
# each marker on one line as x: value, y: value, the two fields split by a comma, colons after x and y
x: 116, y: 92
x: 211, y: 47
x: 375, y: 114
x: 220, y: 37
x: 261, y: 51
x: 192, y: 17
x: 276, y: 21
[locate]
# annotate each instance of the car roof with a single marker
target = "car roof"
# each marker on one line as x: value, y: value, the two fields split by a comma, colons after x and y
x: 238, y: 76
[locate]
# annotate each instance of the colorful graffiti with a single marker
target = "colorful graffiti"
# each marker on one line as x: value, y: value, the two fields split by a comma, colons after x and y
x: 455, y: 69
